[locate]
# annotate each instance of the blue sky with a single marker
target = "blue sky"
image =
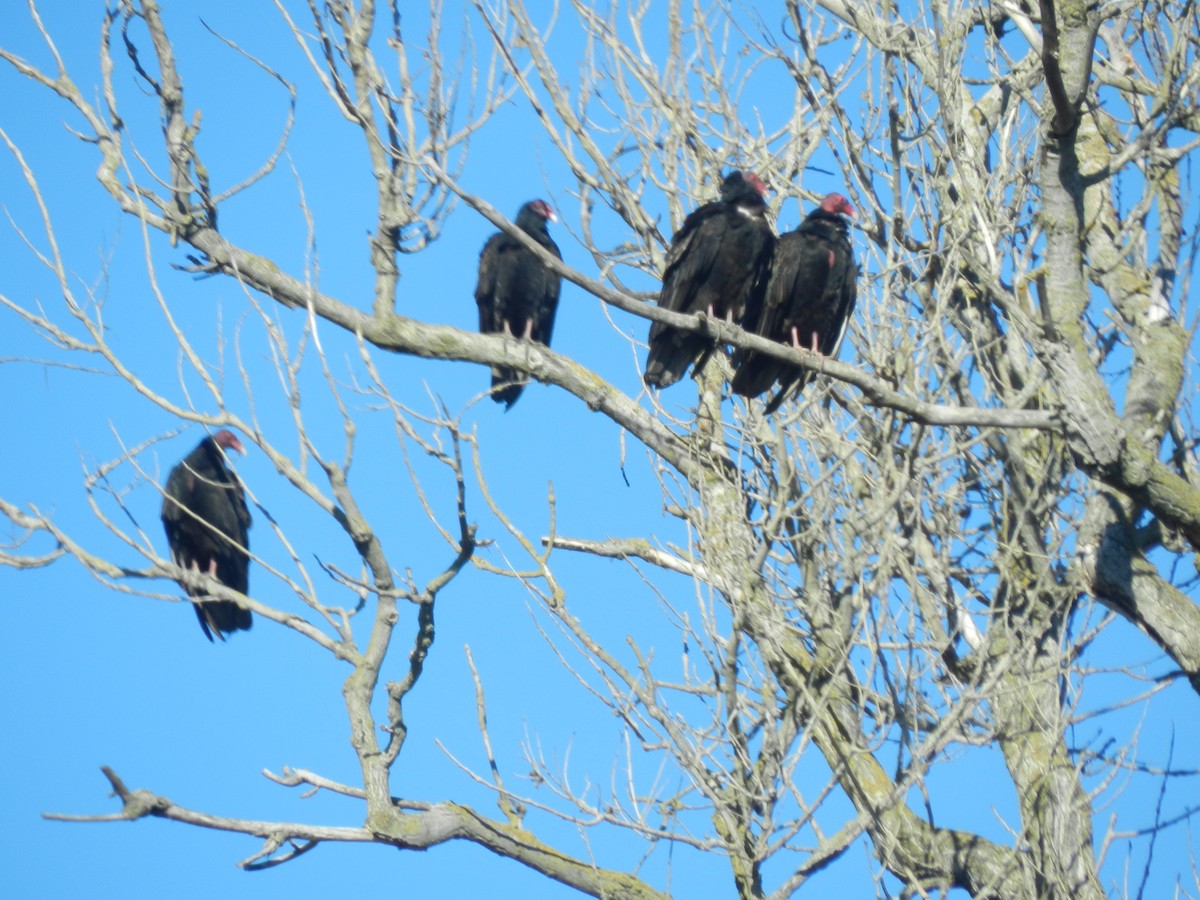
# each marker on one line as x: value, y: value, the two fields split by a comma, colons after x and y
x: 102, y: 678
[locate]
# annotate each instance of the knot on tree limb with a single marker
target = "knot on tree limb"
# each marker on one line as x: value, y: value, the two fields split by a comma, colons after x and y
x: 1136, y: 463
x: 135, y: 804
x: 142, y: 803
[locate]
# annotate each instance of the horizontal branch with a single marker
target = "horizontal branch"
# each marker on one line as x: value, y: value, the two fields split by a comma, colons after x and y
x: 437, y: 824
x: 137, y: 804
x: 640, y: 548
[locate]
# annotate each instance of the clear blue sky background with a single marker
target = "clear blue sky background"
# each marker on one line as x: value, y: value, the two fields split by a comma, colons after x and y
x: 95, y: 677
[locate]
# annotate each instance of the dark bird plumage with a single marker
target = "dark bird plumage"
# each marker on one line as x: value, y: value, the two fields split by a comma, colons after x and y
x: 207, y: 523
x: 807, y: 303
x: 716, y: 264
x: 516, y: 294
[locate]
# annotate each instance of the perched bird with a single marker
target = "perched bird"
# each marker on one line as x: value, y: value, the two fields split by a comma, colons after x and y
x: 807, y: 303
x: 717, y: 262
x: 516, y: 294
x: 207, y: 523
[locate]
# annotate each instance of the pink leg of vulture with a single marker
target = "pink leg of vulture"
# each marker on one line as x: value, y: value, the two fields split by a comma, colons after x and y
x: 812, y: 346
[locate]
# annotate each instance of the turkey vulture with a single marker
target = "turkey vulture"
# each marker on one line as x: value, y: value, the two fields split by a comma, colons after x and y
x: 717, y: 261
x: 807, y: 302
x: 204, y: 513
x: 517, y: 295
